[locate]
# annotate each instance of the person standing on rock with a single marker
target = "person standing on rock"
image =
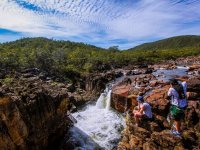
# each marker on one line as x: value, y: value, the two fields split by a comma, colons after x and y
x: 177, y: 94
x: 143, y: 110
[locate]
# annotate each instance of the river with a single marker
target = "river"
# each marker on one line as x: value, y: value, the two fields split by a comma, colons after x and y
x: 98, y: 126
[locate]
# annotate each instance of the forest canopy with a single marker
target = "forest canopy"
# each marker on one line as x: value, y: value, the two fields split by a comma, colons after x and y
x: 63, y: 56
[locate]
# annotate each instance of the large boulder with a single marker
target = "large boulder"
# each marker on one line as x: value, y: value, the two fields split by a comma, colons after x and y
x: 157, y: 99
x: 125, y: 93
x: 120, y: 100
x: 194, y: 84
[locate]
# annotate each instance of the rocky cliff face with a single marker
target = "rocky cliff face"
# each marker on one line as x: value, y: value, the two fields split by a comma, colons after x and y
x: 156, y: 134
x: 33, y: 107
x: 89, y: 87
x: 32, y: 113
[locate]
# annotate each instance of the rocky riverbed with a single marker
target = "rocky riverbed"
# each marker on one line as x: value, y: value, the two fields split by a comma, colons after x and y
x: 34, y: 106
x: 156, y: 134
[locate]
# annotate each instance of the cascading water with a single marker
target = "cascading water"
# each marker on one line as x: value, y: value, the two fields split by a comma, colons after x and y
x: 105, y: 98
x: 108, y: 100
x: 98, y: 126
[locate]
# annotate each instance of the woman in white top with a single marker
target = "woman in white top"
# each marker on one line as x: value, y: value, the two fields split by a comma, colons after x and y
x: 176, y: 100
x: 177, y: 94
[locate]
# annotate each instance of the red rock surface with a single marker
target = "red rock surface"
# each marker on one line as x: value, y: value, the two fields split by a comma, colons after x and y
x: 155, y: 134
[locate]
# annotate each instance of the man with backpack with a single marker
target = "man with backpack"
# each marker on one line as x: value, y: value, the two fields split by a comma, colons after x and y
x: 177, y: 94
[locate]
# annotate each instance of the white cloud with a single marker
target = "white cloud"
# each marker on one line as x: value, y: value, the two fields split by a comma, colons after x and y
x: 99, y: 21
x: 18, y: 19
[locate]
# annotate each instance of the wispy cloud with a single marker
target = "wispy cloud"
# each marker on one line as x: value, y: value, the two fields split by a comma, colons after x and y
x: 100, y: 22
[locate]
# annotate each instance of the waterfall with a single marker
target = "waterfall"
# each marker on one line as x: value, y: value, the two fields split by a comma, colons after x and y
x: 101, y: 101
x: 104, y: 100
x: 108, y: 100
x: 98, y: 123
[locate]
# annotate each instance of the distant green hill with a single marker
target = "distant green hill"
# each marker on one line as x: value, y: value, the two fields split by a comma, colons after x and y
x: 171, y: 43
x: 40, y: 42
x: 171, y: 48
x: 65, y: 56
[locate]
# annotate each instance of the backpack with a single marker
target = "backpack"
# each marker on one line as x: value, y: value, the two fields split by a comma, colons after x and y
x: 179, y: 89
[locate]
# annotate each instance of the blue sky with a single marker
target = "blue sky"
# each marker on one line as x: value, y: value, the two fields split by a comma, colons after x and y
x: 103, y: 23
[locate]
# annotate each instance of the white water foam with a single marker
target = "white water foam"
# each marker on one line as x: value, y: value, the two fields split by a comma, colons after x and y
x: 100, y: 123
x: 183, y: 67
